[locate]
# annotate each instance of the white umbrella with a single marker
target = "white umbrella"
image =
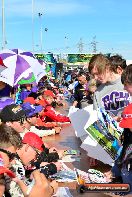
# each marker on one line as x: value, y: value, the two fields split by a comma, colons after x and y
x: 19, y: 64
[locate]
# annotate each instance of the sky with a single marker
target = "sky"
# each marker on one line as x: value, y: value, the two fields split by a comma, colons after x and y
x: 69, y: 24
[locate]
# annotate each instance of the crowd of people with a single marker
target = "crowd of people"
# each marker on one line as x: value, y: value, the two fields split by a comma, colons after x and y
x: 113, y: 93
x: 28, y: 114
x: 24, y: 122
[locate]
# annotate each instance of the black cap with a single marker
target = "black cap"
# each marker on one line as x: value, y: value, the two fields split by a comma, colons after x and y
x: 11, y: 113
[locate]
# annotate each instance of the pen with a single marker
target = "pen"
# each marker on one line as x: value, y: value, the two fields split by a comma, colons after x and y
x: 77, y: 176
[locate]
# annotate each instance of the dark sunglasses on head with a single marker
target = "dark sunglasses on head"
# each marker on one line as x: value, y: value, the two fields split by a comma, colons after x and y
x: 10, y: 155
x: 35, y: 115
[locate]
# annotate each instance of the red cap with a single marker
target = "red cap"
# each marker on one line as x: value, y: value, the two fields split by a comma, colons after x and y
x: 126, y: 121
x: 33, y: 140
x: 5, y: 170
x: 49, y: 93
x: 30, y: 100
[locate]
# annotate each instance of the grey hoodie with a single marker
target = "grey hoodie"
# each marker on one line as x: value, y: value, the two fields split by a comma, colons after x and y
x: 112, y: 97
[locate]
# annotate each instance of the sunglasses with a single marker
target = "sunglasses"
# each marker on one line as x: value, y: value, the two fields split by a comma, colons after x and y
x: 126, y: 115
x: 21, y: 120
x: 37, y: 152
x: 33, y: 161
x: 35, y: 115
x: 9, y: 154
x: 35, y: 149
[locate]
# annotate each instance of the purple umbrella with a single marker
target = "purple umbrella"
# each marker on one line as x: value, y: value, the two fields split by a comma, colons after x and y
x: 19, y: 64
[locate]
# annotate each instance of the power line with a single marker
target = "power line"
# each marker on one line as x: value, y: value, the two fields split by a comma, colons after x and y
x: 94, y: 44
x: 80, y: 46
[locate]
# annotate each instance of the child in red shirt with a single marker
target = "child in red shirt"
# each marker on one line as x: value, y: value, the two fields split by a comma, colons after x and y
x: 50, y: 113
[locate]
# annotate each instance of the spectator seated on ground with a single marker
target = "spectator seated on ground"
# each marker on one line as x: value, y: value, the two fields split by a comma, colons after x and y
x: 31, y: 123
x: 50, y: 114
x: 34, y: 154
x: 37, y: 100
x: 14, y: 116
x: 25, y: 90
x: 32, y: 112
x: 10, y: 141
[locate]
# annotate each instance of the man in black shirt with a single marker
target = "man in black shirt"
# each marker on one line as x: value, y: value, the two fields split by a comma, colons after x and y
x: 81, y: 94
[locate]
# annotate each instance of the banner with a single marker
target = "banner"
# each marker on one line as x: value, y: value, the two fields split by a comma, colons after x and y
x: 77, y: 58
x: 50, y: 60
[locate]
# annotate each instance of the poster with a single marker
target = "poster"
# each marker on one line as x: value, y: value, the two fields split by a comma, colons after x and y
x: 95, y: 150
x: 106, y: 133
x: 82, y: 118
x: 105, y: 140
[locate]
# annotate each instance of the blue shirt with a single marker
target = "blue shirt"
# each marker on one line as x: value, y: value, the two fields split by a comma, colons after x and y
x: 5, y: 92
